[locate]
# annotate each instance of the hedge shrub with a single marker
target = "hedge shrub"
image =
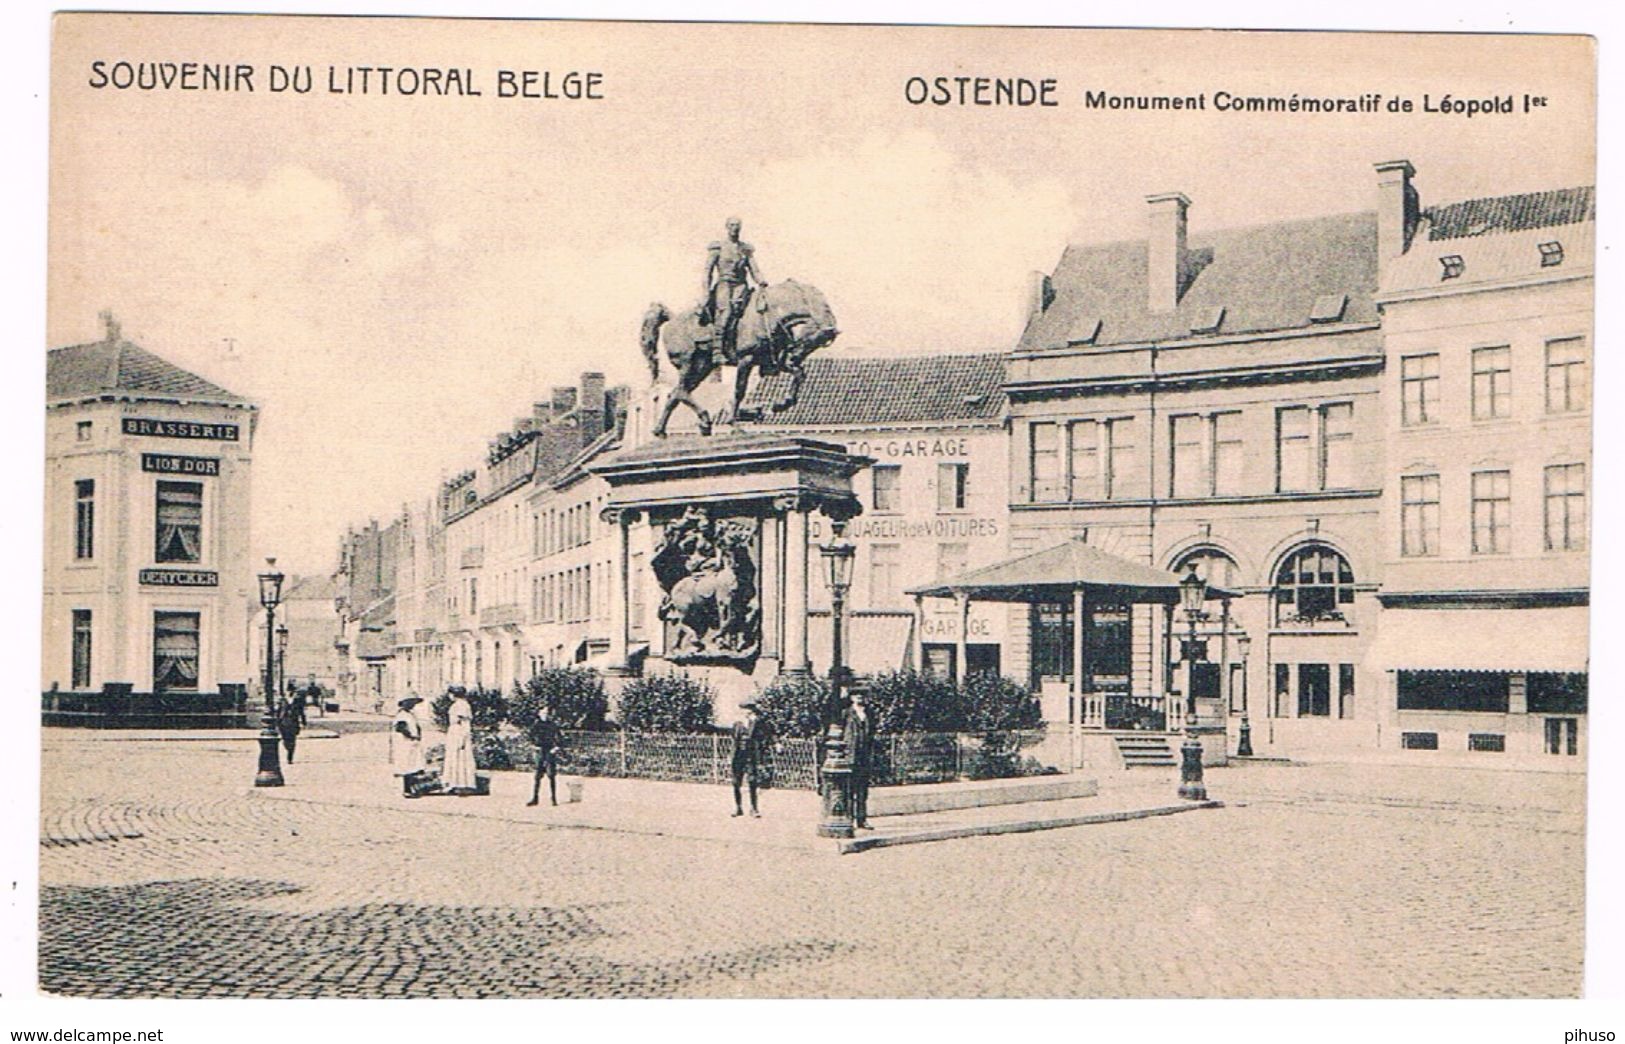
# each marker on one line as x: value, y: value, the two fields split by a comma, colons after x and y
x: 667, y: 703
x: 794, y: 705
x: 574, y: 695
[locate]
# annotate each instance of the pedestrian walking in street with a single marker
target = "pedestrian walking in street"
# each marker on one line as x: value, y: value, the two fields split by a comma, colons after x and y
x: 458, y: 774
x: 406, y: 746
x: 752, y: 738
x: 859, y: 729
x: 548, y: 739
x: 297, y: 699
x: 288, y: 725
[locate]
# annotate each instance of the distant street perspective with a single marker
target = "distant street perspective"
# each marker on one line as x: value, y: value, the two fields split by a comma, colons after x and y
x: 165, y: 874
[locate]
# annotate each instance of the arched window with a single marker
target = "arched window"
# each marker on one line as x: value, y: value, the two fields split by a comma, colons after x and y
x: 1216, y: 568
x: 1314, y: 583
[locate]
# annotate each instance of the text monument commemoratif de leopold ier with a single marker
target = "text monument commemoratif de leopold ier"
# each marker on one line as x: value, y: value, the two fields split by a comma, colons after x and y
x: 712, y: 531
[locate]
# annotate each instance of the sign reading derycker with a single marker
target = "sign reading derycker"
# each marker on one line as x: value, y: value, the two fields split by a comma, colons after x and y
x: 175, y: 464
x: 172, y: 429
x: 180, y: 578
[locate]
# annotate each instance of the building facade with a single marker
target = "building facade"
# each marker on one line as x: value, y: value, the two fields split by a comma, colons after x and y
x: 450, y: 592
x: 1487, y: 311
x: 147, y: 571
x: 1212, y: 402
x: 935, y: 501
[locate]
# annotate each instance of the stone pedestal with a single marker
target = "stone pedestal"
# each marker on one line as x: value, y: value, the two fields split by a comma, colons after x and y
x: 723, y: 521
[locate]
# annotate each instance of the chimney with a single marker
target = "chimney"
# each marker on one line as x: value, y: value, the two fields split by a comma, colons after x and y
x: 541, y: 413
x: 110, y: 326
x: 1040, y: 293
x: 564, y: 400
x: 1165, y: 251
x: 592, y: 406
x: 1398, y: 208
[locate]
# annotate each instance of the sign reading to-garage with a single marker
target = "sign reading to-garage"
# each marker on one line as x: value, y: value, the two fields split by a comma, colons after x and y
x: 175, y: 464
x: 180, y: 578
x: 174, y: 429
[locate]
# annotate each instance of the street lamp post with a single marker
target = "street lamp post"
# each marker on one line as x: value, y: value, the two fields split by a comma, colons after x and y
x: 281, y: 659
x: 1244, y: 746
x: 837, y: 819
x: 270, y: 772
x: 1192, y: 590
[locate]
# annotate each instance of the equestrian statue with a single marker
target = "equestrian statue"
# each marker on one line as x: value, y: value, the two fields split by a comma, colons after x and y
x: 742, y: 321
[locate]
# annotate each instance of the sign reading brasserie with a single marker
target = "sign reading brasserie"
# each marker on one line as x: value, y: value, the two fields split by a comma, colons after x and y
x: 180, y: 578
x: 175, y: 429
x: 175, y: 464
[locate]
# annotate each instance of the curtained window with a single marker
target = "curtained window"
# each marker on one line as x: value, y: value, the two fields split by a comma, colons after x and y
x: 174, y: 652
x: 180, y: 522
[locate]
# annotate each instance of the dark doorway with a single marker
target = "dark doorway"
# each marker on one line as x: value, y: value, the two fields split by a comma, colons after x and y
x: 1314, y: 690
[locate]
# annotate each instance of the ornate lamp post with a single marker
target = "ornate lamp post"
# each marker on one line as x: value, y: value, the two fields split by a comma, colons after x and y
x: 838, y: 557
x: 1244, y: 746
x: 270, y: 773
x: 1192, y: 589
x: 281, y: 659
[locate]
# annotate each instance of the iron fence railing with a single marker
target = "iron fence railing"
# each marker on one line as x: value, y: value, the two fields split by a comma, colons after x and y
x: 793, y: 763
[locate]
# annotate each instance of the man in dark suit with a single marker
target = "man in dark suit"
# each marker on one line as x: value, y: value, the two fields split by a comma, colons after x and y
x: 752, y: 738
x: 859, y: 729
x: 549, y: 742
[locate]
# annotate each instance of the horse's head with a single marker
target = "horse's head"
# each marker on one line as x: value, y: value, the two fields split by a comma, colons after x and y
x: 806, y: 336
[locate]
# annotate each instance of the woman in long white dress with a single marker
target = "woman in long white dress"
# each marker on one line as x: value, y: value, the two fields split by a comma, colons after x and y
x: 406, y: 746
x: 458, y: 775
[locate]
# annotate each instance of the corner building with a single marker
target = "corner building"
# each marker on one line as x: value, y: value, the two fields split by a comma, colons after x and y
x: 1487, y: 311
x: 148, y: 578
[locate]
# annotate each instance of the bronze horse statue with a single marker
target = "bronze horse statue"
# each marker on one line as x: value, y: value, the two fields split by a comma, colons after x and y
x: 783, y: 323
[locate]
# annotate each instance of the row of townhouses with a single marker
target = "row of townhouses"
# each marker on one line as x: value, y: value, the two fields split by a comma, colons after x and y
x: 1370, y: 430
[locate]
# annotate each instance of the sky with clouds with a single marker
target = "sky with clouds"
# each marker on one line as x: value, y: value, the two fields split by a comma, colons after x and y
x: 394, y: 279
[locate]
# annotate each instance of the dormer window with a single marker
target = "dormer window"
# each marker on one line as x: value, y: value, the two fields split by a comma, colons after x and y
x: 1209, y: 321
x: 1551, y: 254
x: 1084, y: 331
x: 1328, y: 308
x: 1454, y: 266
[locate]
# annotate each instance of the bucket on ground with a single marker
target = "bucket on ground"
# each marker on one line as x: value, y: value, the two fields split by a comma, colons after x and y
x: 572, y: 793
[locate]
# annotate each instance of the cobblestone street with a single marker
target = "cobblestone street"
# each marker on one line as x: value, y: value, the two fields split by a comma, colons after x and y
x: 163, y: 876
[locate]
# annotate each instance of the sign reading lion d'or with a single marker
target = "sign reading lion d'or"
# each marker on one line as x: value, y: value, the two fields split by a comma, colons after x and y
x: 175, y: 429
x: 180, y: 578
x: 175, y: 464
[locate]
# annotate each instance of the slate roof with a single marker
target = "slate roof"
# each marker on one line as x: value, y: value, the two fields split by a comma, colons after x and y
x: 862, y: 390
x: 122, y: 367
x: 1264, y: 277
x: 311, y: 587
x: 1477, y: 217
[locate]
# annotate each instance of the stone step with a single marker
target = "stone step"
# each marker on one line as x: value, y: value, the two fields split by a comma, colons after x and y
x: 1145, y: 751
x: 945, y: 797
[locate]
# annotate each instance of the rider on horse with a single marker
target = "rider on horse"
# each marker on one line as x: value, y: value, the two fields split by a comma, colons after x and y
x: 730, y: 275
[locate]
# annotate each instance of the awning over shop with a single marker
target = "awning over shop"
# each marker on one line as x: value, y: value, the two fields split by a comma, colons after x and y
x: 1054, y: 573
x: 1545, y: 639
x: 876, y: 640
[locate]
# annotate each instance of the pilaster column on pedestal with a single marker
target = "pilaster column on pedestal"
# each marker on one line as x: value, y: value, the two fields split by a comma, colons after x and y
x: 796, y: 541
x: 620, y: 598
